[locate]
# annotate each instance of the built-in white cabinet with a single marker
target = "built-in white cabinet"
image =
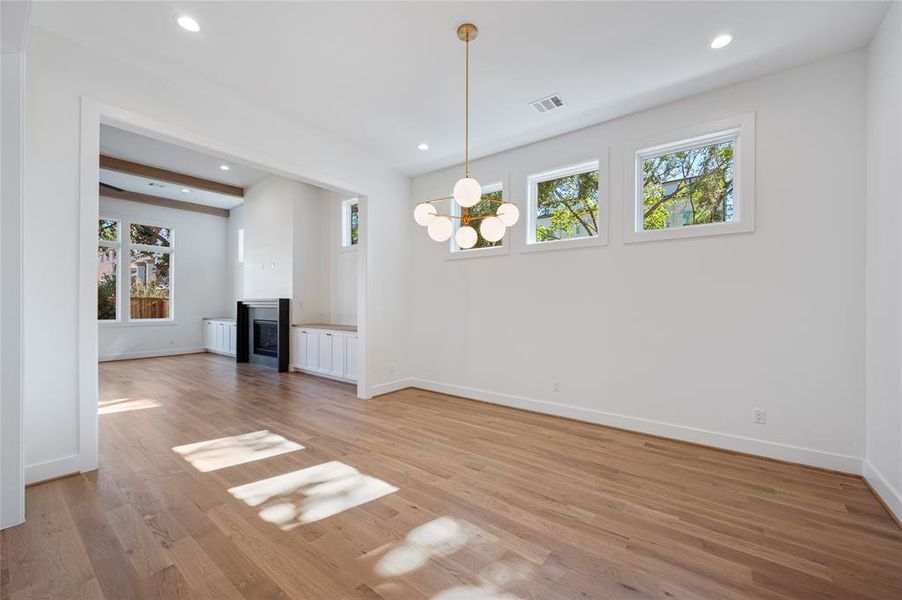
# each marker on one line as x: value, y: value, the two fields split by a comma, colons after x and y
x: 220, y: 336
x: 326, y: 352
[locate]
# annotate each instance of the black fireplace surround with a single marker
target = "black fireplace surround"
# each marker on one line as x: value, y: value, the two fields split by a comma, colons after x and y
x: 263, y: 332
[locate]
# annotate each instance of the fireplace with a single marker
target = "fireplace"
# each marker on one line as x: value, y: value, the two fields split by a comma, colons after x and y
x: 266, y: 337
x: 263, y: 332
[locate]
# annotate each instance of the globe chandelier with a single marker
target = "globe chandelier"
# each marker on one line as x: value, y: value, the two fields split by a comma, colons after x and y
x: 467, y: 192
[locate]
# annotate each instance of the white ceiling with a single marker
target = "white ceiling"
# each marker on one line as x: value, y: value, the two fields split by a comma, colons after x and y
x: 148, y: 151
x: 164, y: 189
x: 388, y: 76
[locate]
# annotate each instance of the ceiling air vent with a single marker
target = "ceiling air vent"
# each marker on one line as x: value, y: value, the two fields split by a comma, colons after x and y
x: 543, y: 105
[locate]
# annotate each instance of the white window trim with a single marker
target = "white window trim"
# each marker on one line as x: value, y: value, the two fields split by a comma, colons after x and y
x: 346, y: 245
x: 601, y: 164
x: 123, y: 291
x: 741, y: 129
x: 457, y: 253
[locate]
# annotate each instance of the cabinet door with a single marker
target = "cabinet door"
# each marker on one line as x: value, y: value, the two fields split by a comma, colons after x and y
x: 325, y: 351
x: 220, y: 336
x: 298, y: 348
x: 338, y: 355
x: 351, y: 357
x: 233, y: 338
x: 311, y: 341
x: 208, y: 335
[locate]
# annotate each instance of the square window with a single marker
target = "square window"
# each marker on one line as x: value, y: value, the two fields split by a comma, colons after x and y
x: 700, y: 184
x: 687, y: 187
x: 492, y: 196
x: 564, y: 205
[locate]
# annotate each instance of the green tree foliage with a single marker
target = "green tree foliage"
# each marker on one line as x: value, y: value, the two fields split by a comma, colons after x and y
x: 108, y: 230
x: 106, y: 298
x: 487, y: 206
x: 571, y: 202
x: 355, y: 224
x: 689, y: 187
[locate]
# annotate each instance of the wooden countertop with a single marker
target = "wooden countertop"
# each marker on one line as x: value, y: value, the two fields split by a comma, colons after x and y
x: 332, y: 326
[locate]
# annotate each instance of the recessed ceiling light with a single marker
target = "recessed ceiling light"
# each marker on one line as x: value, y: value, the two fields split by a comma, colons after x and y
x: 423, y: 146
x: 185, y: 190
x: 224, y: 167
x: 188, y: 24
x: 721, y: 40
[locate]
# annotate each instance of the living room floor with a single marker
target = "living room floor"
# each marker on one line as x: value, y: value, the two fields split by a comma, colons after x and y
x: 220, y: 481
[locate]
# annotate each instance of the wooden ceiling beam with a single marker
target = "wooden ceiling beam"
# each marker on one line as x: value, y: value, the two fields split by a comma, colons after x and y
x: 109, y: 192
x: 133, y: 168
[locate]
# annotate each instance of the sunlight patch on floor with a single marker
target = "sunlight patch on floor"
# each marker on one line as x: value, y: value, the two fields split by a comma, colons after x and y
x: 235, y: 450
x: 311, y: 494
x: 439, y: 537
x: 106, y: 407
x: 474, y: 592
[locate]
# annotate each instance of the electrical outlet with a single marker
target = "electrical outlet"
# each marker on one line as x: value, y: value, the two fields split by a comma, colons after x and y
x: 391, y: 367
x: 760, y: 416
x: 555, y: 385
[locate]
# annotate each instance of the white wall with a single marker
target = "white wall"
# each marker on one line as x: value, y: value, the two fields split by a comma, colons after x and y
x: 59, y: 73
x: 883, y: 468
x: 682, y: 338
x: 12, y: 71
x: 342, y: 268
x: 310, y: 255
x: 285, y: 245
x: 200, y: 283
x: 267, y: 238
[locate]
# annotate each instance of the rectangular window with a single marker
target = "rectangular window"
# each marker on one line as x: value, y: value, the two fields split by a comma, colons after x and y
x: 350, y: 222
x: 492, y: 196
x: 688, y: 186
x: 563, y: 204
x: 150, y: 272
x: 701, y: 184
x: 108, y: 247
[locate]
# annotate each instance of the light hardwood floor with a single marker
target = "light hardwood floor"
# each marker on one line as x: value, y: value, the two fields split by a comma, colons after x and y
x: 421, y: 495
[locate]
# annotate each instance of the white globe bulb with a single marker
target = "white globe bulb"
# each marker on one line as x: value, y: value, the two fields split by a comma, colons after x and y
x: 440, y: 229
x: 508, y: 213
x: 466, y: 237
x: 467, y: 192
x: 492, y: 229
x: 423, y: 213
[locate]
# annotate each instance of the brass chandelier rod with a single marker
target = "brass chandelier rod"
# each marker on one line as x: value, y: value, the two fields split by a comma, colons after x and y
x: 467, y: 109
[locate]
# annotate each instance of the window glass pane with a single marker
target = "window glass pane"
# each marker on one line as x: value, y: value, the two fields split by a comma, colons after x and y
x: 149, y: 284
x: 107, y: 268
x: 108, y: 230
x: 690, y: 187
x: 355, y: 223
x: 151, y: 235
x: 481, y: 209
x: 567, y: 207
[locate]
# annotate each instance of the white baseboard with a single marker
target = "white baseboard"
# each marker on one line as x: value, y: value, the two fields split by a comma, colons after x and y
x: 890, y: 495
x: 391, y: 386
x: 149, y: 354
x: 52, y: 469
x: 776, y: 450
